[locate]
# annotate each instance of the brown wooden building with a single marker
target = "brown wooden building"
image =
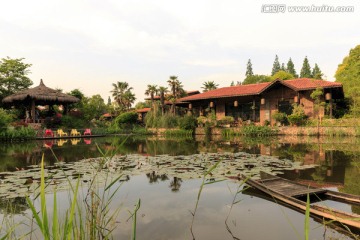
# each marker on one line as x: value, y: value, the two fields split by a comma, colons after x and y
x: 257, y: 102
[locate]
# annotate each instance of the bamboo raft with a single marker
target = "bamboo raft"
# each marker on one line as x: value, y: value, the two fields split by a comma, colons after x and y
x: 292, y: 193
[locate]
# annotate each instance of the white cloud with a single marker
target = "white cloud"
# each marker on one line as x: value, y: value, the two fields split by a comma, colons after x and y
x: 90, y: 44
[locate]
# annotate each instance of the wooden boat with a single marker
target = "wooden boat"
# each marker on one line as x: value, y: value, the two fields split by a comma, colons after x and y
x: 294, y: 194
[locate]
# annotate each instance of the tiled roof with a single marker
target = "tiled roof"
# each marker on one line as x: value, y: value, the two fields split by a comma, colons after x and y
x: 256, y: 89
x: 308, y: 83
x: 188, y: 93
x: 241, y: 90
x: 143, y: 110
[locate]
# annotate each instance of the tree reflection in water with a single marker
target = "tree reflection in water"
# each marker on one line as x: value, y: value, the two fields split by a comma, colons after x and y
x: 175, y: 184
x: 153, y: 177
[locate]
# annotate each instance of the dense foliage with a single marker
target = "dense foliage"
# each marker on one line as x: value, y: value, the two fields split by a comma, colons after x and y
x: 298, y: 116
x: 256, y: 79
x: 348, y: 73
x: 5, y: 119
x: 13, y: 76
x: 282, y: 75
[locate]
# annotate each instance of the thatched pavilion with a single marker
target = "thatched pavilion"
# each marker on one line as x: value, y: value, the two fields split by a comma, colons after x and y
x: 40, y: 95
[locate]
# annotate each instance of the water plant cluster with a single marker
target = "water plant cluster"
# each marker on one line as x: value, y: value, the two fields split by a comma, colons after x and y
x: 250, y: 130
x: 24, y: 182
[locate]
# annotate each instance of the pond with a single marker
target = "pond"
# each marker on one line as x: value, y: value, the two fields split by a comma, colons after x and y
x: 167, y: 174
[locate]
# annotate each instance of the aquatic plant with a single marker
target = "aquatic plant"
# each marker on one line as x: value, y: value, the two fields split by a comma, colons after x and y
x: 253, y: 130
x: 89, y: 217
x: 178, y: 133
x: 203, y: 183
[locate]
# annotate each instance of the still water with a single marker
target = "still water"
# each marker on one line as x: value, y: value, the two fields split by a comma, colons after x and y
x: 167, y: 201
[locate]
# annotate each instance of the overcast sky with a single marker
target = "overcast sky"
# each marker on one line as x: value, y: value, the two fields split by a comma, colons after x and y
x: 91, y: 44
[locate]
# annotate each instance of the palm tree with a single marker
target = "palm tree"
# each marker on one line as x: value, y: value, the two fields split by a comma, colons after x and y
x: 176, y: 90
x: 209, y: 85
x: 128, y: 99
x: 162, y: 91
x: 122, y: 95
x: 151, y: 91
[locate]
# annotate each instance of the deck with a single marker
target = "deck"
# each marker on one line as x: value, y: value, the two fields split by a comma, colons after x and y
x: 290, y: 189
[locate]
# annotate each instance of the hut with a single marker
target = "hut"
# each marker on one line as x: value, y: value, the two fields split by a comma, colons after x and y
x: 40, y: 95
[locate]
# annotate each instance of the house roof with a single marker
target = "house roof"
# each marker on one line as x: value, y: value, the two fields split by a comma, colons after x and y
x: 298, y: 84
x: 41, y: 93
x: 143, y: 110
x: 187, y: 93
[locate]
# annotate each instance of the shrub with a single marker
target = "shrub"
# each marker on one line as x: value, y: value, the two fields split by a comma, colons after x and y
x: 167, y: 121
x: 18, y: 134
x: 298, y: 116
x: 73, y: 122
x: 226, y: 120
x: 253, y: 130
x: 280, y: 117
x: 126, y: 118
x: 187, y: 123
x: 5, y: 118
x: 201, y: 121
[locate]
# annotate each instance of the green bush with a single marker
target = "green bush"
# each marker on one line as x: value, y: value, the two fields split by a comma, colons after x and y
x: 201, y: 121
x: 280, y: 117
x: 226, y: 120
x: 187, y: 123
x: 5, y: 119
x: 298, y: 116
x: 22, y: 133
x: 73, y: 122
x: 126, y: 118
x: 167, y: 121
x: 253, y: 130
x: 151, y: 118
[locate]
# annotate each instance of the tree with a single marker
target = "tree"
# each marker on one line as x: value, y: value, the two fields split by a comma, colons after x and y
x: 13, y: 76
x: 348, y: 73
x: 290, y: 68
x: 209, y: 85
x: 283, y: 67
x: 316, y: 72
x: 151, y: 91
x: 162, y: 91
x: 122, y: 95
x: 93, y: 107
x: 249, y: 70
x: 78, y: 94
x: 176, y: 90
x: 232, y: 84
x: 256, y: 79
x: 141, y: 105
x: 276, y: 66
x: 128, y: 98
x: 282, y: 75
x: 319, y: 104
x: 306, y: 69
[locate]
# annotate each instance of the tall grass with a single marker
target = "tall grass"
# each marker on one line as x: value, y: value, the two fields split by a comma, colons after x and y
x: 178, y: 133
x: 203, y: 183
x: 89, y: 216
x: 251, y: 130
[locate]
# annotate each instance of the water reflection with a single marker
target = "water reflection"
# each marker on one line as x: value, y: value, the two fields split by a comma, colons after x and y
x: 167, y: 200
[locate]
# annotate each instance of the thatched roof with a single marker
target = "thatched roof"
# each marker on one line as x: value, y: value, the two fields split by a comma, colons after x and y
x: 41, y: 94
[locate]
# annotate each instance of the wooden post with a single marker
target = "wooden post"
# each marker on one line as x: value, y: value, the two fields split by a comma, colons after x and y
x: 253, y: 107
x: 331, y: 108
x: 33, y: 110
